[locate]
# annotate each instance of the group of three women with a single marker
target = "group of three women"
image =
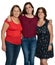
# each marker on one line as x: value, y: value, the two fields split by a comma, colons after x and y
x: 21, y: 30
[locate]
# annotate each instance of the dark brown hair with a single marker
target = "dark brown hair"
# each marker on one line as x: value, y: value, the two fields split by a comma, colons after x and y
x: 44, y: 11
x: 11, y: 12
x: 24, y: 9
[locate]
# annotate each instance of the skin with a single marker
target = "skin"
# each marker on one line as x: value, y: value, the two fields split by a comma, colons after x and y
x: 50, y: 28
x: 29, y: 10
x: 29, y: 14
x: 16, y: 13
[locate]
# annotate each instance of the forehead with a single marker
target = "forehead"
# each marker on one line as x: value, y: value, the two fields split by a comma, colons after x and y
x: 28, y: 5
x: 16, y: 8
x: 40, y: 10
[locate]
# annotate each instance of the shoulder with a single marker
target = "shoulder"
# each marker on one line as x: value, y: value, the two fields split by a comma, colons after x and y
x: 36, y: 18
x: 7, y: 20
x: 21, y: 17
x: 50, y: 24
x: 50, y: 21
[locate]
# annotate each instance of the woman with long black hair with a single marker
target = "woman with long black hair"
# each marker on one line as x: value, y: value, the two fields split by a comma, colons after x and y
x: 29, y: 22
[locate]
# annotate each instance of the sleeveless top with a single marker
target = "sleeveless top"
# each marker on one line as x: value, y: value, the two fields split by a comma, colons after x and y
x: 43, y: 42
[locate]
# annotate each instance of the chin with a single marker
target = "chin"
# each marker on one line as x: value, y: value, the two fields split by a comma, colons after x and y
x: 16, y: 16
x: 40, y: 17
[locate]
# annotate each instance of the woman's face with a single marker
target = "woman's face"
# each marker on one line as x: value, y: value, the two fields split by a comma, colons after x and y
x: 29, y: 9
x: 16, y: 12
x: 41, y: 14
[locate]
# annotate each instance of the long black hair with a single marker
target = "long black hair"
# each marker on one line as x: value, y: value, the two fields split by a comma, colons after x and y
x: 24, y: 9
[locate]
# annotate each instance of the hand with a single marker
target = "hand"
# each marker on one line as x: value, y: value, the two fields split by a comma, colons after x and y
x: 49, y: 47
x: 9, y: 18
x: 21, y: 36
x: 50, y: 20
x: 3, y: 47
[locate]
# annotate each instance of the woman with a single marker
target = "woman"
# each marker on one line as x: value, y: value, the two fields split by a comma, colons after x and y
x: 28, y: 22
x: 12, y: 41
x: 44, y: 49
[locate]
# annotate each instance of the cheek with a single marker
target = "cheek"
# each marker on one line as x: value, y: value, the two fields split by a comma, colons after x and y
x: 40, y: 15
x: 16, y: 13
x: 31, y: 9
x: 27, y: 10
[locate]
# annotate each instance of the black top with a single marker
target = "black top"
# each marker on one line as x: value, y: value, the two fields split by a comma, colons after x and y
x: 43, y: 42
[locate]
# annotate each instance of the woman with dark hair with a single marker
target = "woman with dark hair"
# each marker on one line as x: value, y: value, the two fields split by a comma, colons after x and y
x: 44, y: 49
x: 24, y: 9
x: 12, y: 42
x: 29, y: 22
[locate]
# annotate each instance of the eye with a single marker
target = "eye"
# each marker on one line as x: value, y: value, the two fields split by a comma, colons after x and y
x: 26, y: 8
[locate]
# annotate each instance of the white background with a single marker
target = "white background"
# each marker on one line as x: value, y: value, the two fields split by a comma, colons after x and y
x: 5, y: 6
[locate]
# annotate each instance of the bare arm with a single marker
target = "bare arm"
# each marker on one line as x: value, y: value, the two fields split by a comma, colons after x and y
x: 50, y: 28
x: 4, y: 28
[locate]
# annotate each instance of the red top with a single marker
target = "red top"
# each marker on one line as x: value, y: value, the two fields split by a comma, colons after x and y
x: 13, y: 33
x: 29, y: 26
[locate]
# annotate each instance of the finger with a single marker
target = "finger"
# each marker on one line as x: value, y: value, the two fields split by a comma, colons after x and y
x: 4, y: 49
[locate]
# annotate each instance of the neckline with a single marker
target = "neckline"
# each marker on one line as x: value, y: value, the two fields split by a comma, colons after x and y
x: 14, y: 22
x: 29, y: 18
x: 42, y: 25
